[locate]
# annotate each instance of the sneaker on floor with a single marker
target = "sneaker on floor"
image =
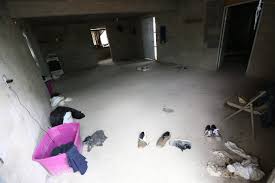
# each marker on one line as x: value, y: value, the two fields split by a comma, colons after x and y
x: 141, y: 140
x: 208, y: 131
x: 215, y: 131
x: 163, y: 139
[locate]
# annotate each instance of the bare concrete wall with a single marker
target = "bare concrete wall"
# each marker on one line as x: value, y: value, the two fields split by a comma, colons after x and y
x: 125, y: 39
x: 262, y: 62
x: 103, y: 53
x: 77, y: 49
x: 19, y: 132
x: 39, y: 8
x: 71, y: 42
x: 186, y: 43
x: 31, y: 40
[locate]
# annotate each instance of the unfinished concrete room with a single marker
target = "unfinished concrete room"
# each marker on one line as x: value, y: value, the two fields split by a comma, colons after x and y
x: 137, y: 91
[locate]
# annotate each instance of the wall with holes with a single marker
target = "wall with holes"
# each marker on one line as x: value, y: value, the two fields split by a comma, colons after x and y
x: 19, y: 133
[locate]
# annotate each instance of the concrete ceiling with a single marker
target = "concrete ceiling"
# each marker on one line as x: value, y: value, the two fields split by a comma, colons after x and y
x: 46, y: 8
x: 76, y: 19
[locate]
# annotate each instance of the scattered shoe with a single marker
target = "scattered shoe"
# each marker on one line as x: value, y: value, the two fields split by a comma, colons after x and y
x: 163, y: 139
x: 215, y: 131
x: 212, y: 131
x: 208, y: 131
x: 141, y: 140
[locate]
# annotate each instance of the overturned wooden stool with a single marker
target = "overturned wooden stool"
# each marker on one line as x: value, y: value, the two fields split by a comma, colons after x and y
x: 246, y: 106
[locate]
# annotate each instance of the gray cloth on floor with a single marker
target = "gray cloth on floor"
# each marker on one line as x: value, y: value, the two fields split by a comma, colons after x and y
x: 181, y: 144
x: 96, y: 139
x: 167, y: 110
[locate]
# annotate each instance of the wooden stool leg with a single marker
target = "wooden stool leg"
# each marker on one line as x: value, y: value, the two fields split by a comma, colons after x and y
x: 252, y: 121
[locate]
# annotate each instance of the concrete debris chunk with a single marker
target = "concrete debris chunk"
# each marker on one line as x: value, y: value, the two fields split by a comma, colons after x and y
x: 246, y: 168
x: 248, y: 172
x: 271, y: 178
x: 218, y: 171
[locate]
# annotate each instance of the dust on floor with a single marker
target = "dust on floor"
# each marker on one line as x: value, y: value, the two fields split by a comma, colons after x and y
x: 124, y: 102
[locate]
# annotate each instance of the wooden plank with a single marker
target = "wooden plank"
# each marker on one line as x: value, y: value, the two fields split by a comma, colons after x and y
x: 231, y: 104
x: 245, y: 107
x: 231, y: 2
x: 252, y: 121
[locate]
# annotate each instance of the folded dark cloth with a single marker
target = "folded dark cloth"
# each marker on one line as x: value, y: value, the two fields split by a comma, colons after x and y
x: 62, y: 149
x: 76, y: 160
x: 56, y: 116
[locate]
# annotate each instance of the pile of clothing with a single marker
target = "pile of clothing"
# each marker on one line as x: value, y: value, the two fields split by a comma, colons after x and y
x: 61, y: 113
x: 64, y: 114
x: 75, y: 159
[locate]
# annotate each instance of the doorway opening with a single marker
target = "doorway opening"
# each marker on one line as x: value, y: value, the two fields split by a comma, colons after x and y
x: 149, y: 38
x: 101, y: 45
x: 237, y: 38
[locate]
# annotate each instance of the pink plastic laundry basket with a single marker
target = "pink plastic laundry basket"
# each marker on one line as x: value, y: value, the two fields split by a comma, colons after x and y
x: 61, y: 134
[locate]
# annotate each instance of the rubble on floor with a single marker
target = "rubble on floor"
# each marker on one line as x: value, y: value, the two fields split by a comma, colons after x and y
x: 218, y: 171
x: 245, y: 166
x: 96, y: 139
x: 271, y: 178
x: 248, y: 171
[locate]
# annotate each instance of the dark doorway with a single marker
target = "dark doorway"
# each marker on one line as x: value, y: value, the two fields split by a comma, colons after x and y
x: 238, y: 38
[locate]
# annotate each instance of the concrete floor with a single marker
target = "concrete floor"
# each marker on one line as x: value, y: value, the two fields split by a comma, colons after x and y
x: 123, y: 102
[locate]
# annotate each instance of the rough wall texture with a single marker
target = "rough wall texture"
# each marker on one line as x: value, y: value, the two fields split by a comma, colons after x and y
x: 186, y: 43
x: 125, y: 39
x: 72, y: 43
x: 262, y: 62
x: 77, y: 49
x: 34, y: 46
x: 39, y: 8
x: 103, y: 53
x: 19, y: 133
